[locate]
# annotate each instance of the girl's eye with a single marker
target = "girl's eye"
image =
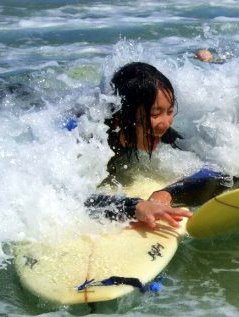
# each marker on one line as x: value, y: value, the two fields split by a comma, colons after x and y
x: 170, y: 112
x: 155, y: 115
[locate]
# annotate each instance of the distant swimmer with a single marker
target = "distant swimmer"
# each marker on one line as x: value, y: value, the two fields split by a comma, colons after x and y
x: 204, y: 55
x: 207, y: 56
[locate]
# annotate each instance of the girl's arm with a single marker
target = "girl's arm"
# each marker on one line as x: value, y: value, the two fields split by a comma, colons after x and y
x: 120, y: 208
x: 194, y: 190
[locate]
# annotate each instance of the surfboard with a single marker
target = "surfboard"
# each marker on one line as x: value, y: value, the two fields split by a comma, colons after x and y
x: 93, y: 268
x: 60, y: 272
x: 217, y: 216
x: 56, y: 272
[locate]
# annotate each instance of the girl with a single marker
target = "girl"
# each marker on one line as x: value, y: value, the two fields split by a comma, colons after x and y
x: 148, y: 106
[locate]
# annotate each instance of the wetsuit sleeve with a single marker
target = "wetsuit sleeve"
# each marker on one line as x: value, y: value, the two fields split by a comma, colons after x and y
x: 198, y: 188
x: 118, y: 208
x: 201, y: 186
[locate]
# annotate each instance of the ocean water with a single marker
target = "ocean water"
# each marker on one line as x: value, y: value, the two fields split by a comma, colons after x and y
x: 56, y: 60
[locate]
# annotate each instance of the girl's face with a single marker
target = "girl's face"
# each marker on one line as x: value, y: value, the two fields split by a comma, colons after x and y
x: 161, y: 118
x: 161, y: 114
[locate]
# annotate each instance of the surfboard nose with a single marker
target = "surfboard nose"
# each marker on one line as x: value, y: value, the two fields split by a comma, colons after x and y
x: 218, y: 216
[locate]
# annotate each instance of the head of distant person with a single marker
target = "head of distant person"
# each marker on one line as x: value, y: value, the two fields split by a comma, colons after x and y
x: 147, y: 108
x: 204, y: 55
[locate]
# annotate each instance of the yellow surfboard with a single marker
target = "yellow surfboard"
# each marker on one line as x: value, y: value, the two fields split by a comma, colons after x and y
x: 217, y: 216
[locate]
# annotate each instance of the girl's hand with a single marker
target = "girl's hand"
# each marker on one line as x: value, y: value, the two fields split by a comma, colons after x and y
x: 150, y: 211
x: 161, y: 196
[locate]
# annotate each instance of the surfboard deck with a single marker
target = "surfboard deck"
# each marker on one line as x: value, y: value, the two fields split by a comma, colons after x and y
x: 54, y: 272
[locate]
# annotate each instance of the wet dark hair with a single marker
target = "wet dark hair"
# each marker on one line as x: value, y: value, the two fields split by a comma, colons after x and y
x: 137, y: 84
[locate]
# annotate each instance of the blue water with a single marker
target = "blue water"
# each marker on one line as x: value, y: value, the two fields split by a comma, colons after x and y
x: 54, y: 58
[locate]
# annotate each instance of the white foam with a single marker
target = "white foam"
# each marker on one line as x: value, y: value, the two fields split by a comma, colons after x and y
x: 46, y: 175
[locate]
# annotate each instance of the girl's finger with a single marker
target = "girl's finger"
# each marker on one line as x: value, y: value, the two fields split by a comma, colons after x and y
x: 177, y: 218
x: 170, y: 220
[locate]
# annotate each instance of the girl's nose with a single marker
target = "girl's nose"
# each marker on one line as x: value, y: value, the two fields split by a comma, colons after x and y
x: 164, y: 122
x: 161, y: 125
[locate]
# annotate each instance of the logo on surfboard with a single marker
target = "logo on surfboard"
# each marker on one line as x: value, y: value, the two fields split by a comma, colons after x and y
x: 155, y: 251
